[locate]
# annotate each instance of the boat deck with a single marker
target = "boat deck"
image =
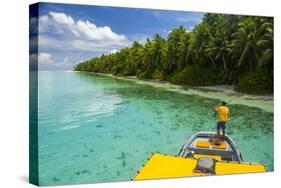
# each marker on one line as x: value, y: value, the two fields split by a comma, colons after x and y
x: 204, y: 143
x: 224, y: 145
x: 165, y: 166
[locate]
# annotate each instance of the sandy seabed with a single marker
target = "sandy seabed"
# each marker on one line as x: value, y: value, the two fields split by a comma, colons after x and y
x: 220, y: 92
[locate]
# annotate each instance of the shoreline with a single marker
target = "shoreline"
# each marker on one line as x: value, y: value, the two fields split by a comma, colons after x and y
x: 220, y: 92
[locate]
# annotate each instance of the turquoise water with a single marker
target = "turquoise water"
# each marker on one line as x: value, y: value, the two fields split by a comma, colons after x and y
x: 99, y: 129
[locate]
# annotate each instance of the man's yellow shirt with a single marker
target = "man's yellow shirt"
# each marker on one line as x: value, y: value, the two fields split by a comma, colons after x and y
x: 223, y: 113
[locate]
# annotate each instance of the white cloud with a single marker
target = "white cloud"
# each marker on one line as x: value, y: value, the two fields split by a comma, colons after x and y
x: 190, y: 28
x: 33, y: 58
x: 42, y: 58
x: 140, y: 38
x: 69, y: 40
x: 33, y: 42
x: 33, y: 25
x: 77, y: 45
x: 45, y: 58
x: 113, y: 51
x: 66, y: 60
x: 98, y: 33
x: 61, y: 18
x: 66, y: 26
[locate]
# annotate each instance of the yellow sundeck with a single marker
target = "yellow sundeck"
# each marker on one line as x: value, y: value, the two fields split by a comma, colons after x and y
x: 199, y: 156
x: 165, y: 166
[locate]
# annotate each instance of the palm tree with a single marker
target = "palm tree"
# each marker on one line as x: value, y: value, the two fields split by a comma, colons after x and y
x: 219, y: 47
x: 253, y: 42
x: 199, y: 40
x: 173, y: 42
x: 184, y: 50
x: 266, y: 57
x: 156, y: 52
x: 135, y: 58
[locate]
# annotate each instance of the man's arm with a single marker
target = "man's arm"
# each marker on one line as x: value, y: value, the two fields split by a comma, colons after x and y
x: 228, y: 113
x: 215, y: 114
x: 216, y: 110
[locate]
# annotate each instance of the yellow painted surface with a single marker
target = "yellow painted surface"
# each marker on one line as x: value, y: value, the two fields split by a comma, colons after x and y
x: 236, y: 168
x: 221, y: 146
x: 203, y: 144
x: 164, y: 166
x: 197, y: 156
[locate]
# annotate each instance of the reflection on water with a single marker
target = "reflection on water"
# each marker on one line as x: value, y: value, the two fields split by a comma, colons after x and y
x: 96, y: 129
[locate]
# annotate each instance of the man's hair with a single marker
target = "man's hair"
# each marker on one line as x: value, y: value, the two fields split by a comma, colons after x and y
x: 223, y: 103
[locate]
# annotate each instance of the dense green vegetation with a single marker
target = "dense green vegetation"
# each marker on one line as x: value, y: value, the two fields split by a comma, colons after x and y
x: 222, y: 49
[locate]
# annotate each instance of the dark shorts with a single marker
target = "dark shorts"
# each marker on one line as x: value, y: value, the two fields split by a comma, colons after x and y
x: 221, y: 125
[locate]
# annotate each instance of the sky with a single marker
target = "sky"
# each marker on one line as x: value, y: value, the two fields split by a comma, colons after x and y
x: 68, y: 34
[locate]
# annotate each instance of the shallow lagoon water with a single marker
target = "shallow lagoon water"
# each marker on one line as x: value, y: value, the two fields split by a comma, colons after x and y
x: 97, y: 129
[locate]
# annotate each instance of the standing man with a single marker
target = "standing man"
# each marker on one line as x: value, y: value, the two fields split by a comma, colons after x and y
x: 223, y: 112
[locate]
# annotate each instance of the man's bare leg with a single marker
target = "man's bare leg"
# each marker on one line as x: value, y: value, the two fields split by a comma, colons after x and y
x: 223, y: 133
x: 218, y: 137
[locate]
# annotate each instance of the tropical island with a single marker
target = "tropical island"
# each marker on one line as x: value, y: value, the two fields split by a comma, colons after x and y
x: 220, y: 50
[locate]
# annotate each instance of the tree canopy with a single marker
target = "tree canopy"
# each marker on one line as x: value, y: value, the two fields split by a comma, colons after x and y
x: 222, y: 49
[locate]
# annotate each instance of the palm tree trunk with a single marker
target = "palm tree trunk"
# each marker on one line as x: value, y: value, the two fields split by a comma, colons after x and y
x: 224, y: 64
x: 186, y: 58
x: 213, y: 62
x: 250, y: 64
